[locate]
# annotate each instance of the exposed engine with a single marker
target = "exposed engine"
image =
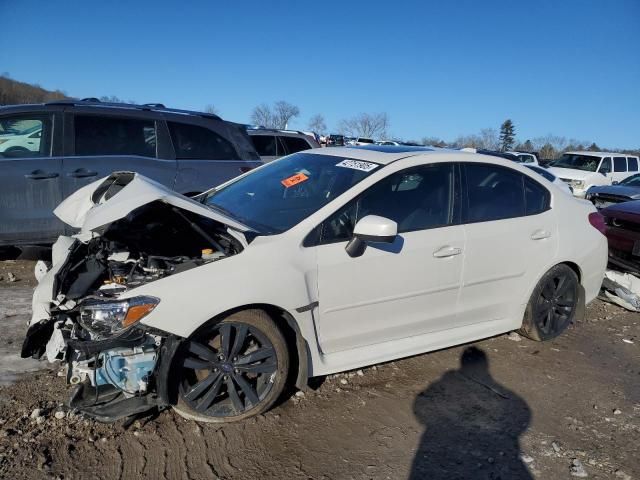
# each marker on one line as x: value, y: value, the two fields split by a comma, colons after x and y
x: 109, y: 356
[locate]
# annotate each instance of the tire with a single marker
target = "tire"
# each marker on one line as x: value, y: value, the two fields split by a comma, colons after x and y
x: 552, y: 306
x: 232, y: 370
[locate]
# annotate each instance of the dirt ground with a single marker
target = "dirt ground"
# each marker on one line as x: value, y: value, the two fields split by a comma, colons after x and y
x: 501, y: 408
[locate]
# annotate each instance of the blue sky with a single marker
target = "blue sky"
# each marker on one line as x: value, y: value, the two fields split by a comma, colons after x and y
x: 442, y: 68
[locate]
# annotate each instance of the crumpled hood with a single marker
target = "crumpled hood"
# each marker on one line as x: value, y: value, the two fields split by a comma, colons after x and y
x: 570, y: 173
x: 114, y: 197
x: 618, y: 190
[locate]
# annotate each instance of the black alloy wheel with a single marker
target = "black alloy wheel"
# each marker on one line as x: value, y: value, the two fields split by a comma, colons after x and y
x: 553, y: 304
x: 232, y: 370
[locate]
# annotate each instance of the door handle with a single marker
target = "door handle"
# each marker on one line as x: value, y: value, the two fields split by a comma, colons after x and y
x: 41, y: 175
x: 540, y: 235
x: 82, y: 173
x: 447, y: 251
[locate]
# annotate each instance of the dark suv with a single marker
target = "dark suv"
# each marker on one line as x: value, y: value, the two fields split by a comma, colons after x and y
x: 48, y: 151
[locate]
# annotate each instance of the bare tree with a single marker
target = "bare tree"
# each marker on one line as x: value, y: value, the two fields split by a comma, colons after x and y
x: 277, y: 117
x: 316, y: 124
x: 283, y: 112
x: 489, y: 139
x: 263, y: 116
x: 369, y: 125
x: 211, y: 108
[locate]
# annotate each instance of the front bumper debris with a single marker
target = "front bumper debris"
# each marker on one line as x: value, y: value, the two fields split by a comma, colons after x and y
x: 114, y: 378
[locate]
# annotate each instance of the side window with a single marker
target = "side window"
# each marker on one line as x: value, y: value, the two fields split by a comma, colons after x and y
x: 605, y: 166
x: 416, y: 199
x: 619, y: 164
x: 295, y: 144
x: 633, y: 164
x: 192, y: 142
x: 493, y: 193
x: 537, y: 198
x: 95, y: 135
x: 25, y: 136
x: 265, y: 145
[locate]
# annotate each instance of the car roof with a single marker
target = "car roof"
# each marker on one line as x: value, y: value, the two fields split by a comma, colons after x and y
x: 601, y: 154
x: 393, y: 148
x: 91, y: 103
x: 385, y: 155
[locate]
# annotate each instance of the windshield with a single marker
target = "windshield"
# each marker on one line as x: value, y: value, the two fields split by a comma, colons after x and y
x: 587, y: 163
x: 632, y: 181
x: 279, y: 195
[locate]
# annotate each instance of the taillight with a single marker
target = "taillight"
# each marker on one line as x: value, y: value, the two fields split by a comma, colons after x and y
x: 597, y: 220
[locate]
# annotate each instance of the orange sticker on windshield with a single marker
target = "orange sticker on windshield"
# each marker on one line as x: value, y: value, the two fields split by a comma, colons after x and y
x: 294, y: 180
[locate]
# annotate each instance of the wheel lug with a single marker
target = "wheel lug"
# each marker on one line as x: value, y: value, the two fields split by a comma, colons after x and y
x: 215, y: 369
x: 235, y: 370
x: 235, y: 359
x: 220, y: 357
x: 225, y: 377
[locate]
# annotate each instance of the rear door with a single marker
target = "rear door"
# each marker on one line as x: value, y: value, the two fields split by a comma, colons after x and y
x: 205, y: 155
x: 98, y: 144
x: 511, y: 237
x: 30, y: 179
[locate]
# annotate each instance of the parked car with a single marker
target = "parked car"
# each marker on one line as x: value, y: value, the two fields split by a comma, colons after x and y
x: 49, y: 151
x: 621, y: 225
x: 272, y: 144
x: 324, y: 261
x: 624, y: 191
x: 526, y: 157
x: 334, y: 140
x: 582, y: 170
x: 551, y: 177
x: 362, y: 141
x: 21, y: 142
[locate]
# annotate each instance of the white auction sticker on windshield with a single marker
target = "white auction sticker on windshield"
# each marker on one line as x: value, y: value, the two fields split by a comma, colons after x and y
x: 357, y: 165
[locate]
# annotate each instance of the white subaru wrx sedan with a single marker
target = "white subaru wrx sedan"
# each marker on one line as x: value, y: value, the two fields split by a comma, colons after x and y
x: 322, y: 261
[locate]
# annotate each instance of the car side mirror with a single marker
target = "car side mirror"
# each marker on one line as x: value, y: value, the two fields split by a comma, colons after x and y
x: 371, y: 229
x: 604, y: 172
x: 615, y: 182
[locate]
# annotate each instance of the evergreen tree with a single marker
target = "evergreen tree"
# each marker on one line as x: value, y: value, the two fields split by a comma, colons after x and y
x: 507, y: 135
x: 593, y: 147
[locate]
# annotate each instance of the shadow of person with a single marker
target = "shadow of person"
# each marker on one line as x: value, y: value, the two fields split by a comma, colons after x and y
x: 472, y: 425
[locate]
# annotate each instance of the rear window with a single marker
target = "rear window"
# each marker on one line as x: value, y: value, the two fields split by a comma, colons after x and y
x: 95, y: 135
x: 633, y: 164
x: 192, y: 142
x: 619, y: 164
x: 295, y: 144
x: 365, y: 140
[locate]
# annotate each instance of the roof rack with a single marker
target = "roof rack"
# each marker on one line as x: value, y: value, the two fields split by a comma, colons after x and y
x: 156, y: 107
x: 265, y: 129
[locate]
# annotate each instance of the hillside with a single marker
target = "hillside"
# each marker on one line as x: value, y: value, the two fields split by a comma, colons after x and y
x: 13, y: 92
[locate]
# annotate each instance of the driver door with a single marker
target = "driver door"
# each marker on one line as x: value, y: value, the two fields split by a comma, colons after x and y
x: 396, y: 290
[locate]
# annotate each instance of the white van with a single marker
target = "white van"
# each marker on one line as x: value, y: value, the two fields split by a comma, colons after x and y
x: 582, y: 170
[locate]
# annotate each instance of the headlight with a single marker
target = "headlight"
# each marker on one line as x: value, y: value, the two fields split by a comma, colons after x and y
x: 106, y: 318
x: 577, y: 183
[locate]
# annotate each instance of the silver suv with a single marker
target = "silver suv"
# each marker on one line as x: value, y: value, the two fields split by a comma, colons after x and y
x: 49, y: 151
x: 272, y: 144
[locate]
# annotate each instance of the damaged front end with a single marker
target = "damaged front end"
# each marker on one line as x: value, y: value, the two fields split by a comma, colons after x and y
x: 86, y: 313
